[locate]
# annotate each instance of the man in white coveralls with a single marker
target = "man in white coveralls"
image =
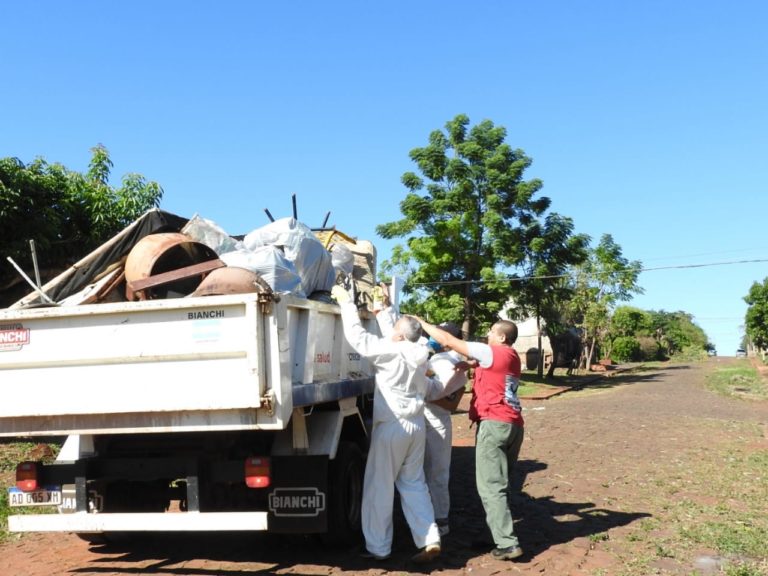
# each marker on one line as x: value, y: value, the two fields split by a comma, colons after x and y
x: 447, y: 375
x: 396, y: 453
x: 446, y: 380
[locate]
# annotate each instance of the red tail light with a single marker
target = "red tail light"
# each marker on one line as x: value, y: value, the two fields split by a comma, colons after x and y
x: 26, y: 476
x: 257, y: 472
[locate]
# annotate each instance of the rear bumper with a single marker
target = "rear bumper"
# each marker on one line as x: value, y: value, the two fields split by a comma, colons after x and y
x: 140, y: 522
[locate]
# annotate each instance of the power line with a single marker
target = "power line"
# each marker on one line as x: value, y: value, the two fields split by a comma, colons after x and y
x: 554, y: 276
x: 705, y: 265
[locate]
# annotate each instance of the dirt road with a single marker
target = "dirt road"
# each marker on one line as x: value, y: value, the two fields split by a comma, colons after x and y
x: 593, y: 470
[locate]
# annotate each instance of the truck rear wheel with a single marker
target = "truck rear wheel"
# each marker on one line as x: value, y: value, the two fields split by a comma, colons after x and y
x: 345, y: 496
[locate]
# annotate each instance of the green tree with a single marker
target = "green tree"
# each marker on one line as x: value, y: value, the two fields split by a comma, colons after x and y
x: 66, y: 213
x: 756, y: 318
x: 630, y: 321
x: 464, y: 219
x: 627, y: 324
x: 626, y: 349
x: 549, y: 249
x: 604, y: 279
x: 676, y: 331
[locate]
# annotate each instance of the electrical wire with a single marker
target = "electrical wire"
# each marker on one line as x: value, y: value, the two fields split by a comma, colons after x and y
x: 568, y: 275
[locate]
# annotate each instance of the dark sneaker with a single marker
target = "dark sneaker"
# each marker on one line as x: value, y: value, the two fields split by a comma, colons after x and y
x: 426, y: 554
x: 371, y: 556
x: 509, y: 553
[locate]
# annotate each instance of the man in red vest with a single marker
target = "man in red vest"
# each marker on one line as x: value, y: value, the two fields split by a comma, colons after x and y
x: 495, y: 408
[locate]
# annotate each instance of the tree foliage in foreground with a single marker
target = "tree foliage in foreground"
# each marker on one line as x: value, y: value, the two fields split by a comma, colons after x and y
x: 469, y: 219
x: 756, y: 317
x: 66, y: 213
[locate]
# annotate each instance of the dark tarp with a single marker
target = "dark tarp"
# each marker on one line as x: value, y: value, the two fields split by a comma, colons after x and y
x: 84, y: 272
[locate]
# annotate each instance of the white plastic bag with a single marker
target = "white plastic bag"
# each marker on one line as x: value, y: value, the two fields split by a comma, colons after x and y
x: 209, y: 233
x: 270, y: 263
x: 343, y: 259
x: 311, y: 260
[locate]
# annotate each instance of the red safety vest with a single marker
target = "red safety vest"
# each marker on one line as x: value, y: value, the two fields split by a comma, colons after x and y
x: 489, y: 386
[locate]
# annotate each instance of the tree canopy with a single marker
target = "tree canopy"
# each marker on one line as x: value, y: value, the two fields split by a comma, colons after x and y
x: 603, y: 280
x: 677, y: 332
x: 655, y: 334
x: 66, y: 213
x: 756, y: 317
x: 550, y: 250
x: 470, y: 219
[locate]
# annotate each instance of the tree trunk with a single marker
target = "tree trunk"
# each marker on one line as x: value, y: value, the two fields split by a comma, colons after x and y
x: 591, y: 353
x: 554, y: 342
x: 540, y: 355
x: 466, y: 325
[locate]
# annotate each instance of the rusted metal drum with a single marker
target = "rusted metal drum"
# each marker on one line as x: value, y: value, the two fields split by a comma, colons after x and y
x: 231, y: 280
x: 165, y: 252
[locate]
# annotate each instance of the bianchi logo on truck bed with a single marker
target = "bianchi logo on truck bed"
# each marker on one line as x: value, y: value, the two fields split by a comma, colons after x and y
x: 306, y: 502
x: 13, y: 337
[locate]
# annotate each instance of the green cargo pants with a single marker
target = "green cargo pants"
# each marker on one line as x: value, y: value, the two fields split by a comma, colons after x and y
x: 497, y: 446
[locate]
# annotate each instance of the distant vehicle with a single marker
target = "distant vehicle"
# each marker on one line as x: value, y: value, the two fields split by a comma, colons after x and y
x: 741, y: 353
x: 712, y: 352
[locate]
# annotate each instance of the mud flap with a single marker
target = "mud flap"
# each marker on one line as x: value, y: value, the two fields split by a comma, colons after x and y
x: 298, y: 498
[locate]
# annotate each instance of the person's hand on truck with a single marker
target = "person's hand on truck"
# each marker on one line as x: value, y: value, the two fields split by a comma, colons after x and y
x: 341, y: 294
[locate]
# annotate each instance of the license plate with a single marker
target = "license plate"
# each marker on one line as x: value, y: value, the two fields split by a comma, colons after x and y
x: 48, y: 496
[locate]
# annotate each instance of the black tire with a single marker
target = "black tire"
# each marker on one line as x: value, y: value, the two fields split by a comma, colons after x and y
x: 345, y: 496
x: 93, y: 538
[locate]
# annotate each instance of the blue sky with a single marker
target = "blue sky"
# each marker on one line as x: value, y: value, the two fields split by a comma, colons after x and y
x: 646, y: 120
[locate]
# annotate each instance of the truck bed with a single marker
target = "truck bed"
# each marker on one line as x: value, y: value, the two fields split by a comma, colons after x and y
x: 236, y: 362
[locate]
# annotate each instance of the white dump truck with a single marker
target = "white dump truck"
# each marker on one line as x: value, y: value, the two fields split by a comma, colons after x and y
x: 232, y: 409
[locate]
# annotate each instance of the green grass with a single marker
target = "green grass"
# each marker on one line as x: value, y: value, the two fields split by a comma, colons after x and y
x: 4, y: 513
x: 716, y: 502
x: 527, y: 389
x: 739, y: 379
x: 740, y: 569
x: 715, y: 499
x: 740, y: 531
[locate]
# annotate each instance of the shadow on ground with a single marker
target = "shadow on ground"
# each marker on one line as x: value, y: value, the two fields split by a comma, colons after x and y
x: 540, y: 523
x: 618, y: 376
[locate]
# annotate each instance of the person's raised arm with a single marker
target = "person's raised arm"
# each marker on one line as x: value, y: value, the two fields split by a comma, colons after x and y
x: 444, y: 338
x: 365, y: 343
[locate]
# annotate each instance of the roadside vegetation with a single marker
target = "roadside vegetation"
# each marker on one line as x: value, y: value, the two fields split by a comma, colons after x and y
x: 66, y: 213
x: 708, y: 504
x: 739, y: 379
x: 714, y: 501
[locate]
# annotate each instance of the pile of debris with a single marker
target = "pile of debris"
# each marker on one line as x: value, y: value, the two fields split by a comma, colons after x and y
x: 162, y: 255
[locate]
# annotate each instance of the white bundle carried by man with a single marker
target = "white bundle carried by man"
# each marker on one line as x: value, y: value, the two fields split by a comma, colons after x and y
x: 446, y: 379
